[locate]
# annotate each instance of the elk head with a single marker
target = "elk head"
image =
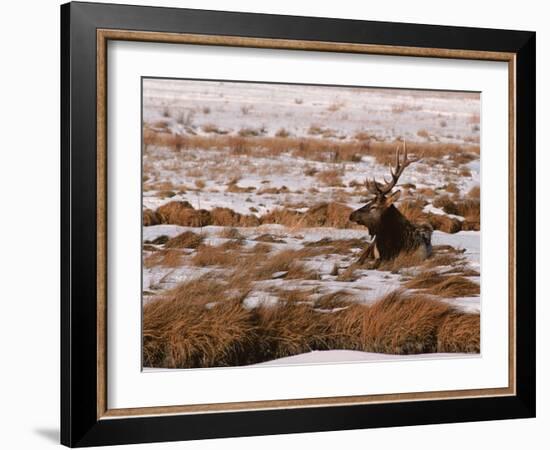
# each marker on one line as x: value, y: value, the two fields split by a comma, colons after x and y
x: 382, y: 197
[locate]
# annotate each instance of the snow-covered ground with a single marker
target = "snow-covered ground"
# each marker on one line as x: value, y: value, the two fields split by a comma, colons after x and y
x: 384, y: 113
x: 349, y: 356
x: 344, y: 357
x: 370, y: 285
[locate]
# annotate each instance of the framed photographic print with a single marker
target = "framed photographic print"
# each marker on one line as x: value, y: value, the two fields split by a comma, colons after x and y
x: 276, y: 224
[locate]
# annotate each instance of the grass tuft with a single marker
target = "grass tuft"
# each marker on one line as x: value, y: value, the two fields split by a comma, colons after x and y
x: 202, y: 323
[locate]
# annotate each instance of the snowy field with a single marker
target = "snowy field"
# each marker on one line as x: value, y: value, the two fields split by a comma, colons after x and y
x: 267, y: 155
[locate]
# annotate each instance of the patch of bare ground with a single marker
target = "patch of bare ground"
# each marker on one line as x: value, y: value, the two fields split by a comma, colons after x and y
x: 203, y: 324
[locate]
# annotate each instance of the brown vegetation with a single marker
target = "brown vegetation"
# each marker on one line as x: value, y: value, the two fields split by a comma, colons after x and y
x: 468, y: 208
x: 150, y: 217
x: 164, y: 258
x: 325, y: 214
x: 201, y: 324
x: 413, y: 211
x: 435, y: 283
x: 208, y: 255
x: 187, y: 239
x: 332, y: 177
x: 324, y: 148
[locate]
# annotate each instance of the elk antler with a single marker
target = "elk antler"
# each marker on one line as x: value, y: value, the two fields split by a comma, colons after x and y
x: 374, y: 187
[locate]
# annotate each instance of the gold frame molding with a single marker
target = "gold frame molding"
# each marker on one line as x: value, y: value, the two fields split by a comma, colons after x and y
x: 105, y: 35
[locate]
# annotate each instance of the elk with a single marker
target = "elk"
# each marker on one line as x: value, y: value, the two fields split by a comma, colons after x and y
x: 393, y: 233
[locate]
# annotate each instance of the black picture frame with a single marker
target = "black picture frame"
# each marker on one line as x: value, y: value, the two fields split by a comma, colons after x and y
x: 80, y: 425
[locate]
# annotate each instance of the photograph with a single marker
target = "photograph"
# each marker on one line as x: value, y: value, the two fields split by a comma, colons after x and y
x: 288, y: 224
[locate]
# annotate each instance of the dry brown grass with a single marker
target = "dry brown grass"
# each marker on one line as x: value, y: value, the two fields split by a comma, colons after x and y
x: 423, y: 133
x: 444, y: 223
x: 211, y: 128
x: 330, y: 214
x: 248, y: 132
x: 474, y: 193
x: 314, y: 148
x: 459, y: 333
x: 362, y: 136
x: 266, y: 237
x: 180, y: 331
x: 226, y: 217
x: 469, y: 208
x: 413, y: 210
x: 443, y: 255
x: 187, y: 239
x: 165, y: 194
x: 182, y: 213
x: 445, y: 286
x: 232, y: 186
x: 208, y: 255
x: 200, y: 324
x: 286, y: 264
x: 402, y: 261
x: 261, y: 248
x: 337, y: 246
x: 164, y: 258
x: 463, y: 156
x: 282, y: 133
x: 230, y: 233
x: 331, y: 177
x: 150, y: 217
x: 338, y: 299
x: 321, y: 215
x: 452, y: 188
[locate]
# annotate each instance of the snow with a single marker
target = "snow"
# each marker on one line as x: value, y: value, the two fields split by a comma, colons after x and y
x: 467, y: 240
x: 350, y: 356
x: 385, y: 113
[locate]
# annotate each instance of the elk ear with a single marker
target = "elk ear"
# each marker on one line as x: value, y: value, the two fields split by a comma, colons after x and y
x: 393, y: 198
